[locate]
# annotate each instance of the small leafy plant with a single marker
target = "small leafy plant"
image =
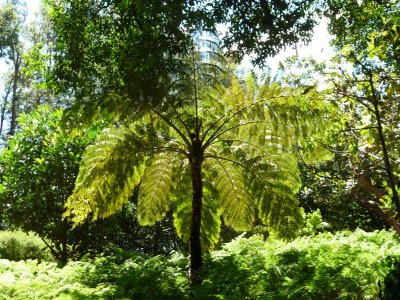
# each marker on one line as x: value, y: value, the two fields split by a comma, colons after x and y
x: 17, y: 245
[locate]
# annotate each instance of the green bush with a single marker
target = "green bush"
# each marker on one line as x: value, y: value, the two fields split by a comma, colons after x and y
x: 102, y: 278
x: 391, y: 284
x: 17, y: 245
x: 154, y: 278
x: 344, y: 265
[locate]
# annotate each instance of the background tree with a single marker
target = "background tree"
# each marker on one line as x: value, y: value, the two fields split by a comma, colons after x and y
x: 110, y: 54
x: 262, y: 28
x: 369, y: 94
x: 38, y: 174
x: 325, y: 188
x: 38, y: 59
x: 27, y: 48
x: 328, y: 186
x: 39, y: 170
x: 12, y: 15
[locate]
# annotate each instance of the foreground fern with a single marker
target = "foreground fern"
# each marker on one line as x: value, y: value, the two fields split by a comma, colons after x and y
x: 222, y: 152
x: 346, y: 265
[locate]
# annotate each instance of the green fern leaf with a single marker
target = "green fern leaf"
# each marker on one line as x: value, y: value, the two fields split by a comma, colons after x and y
x: 235, y: 203
x: 273, y: 190
x: 156, y: 188
x: 109, y: 171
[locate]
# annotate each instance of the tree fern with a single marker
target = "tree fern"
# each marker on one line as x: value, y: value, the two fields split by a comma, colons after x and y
x: 211, y: 152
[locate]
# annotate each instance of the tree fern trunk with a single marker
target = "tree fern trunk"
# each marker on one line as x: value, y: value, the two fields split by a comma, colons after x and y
x: 197, y: 195
x: 64, y: 242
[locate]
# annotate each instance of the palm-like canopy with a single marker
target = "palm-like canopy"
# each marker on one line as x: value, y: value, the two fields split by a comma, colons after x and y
x: 225, y: 152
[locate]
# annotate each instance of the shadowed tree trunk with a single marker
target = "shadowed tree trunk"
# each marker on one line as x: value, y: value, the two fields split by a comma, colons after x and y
x: 196, y: 261
x: 387, y: 215
x: 14, y: 98
x: 382, y: 141
x: 3, y: 109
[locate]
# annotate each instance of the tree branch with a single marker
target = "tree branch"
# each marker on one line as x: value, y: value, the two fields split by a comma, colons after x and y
x: 173, y: 126
x: 226, y: 121
x: 215, y: 136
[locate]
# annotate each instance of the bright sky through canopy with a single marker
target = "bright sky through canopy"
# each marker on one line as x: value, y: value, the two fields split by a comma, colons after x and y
x: 33, y: 7
x: 319, y: 47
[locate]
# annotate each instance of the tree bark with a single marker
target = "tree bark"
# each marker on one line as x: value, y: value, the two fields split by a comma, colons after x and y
x: 382, y: 140
x: 3, y: 110
x: 64, y: 229
x: 386, y: 215
x: 196, y: 260
x: 14, y: 98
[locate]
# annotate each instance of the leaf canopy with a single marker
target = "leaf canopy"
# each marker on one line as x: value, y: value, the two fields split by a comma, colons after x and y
x: 247, y: 131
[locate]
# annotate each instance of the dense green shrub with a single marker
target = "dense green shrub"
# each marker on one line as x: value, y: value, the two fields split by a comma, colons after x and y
x: 345, y: 265
x: 17, y: 245
x: 103, y: 278
x: 38, y: 170
x: 391, y: 286
x: 30, y: 281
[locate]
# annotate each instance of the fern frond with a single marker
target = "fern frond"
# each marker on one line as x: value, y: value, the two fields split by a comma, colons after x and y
x: 283, y: 215
x: 269, y: 181
x: 273, y: 190
x: 109, y: 171
x: 235, y: 202
x: 156, y: 188
x: 271, y: 115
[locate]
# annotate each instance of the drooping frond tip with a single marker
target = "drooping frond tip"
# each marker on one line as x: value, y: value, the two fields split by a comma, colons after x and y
x: 235, y: 202
x: 109, y: 171
x: 156, y: 188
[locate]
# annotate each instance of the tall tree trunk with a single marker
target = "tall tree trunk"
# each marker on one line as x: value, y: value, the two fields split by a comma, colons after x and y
x: 196, y: 260
x: 3, y: 110
x: 382, y: 140
x: 14, y: 98
x: 64, y: 242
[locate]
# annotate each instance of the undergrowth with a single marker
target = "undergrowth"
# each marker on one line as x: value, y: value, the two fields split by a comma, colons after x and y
x: 18, y: 245
x: 326, y: 266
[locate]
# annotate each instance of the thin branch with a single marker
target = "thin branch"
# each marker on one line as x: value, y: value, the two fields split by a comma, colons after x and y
x: 227, y: 120
x: 172, y: 149
x: 178, y: 142
x: 357, y: 129
x: 197, y: 129
x: 385, y: 152
x: 180, y: 118
x: 215, y: 136
x: 173, y: 126
x: 359, y: 100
